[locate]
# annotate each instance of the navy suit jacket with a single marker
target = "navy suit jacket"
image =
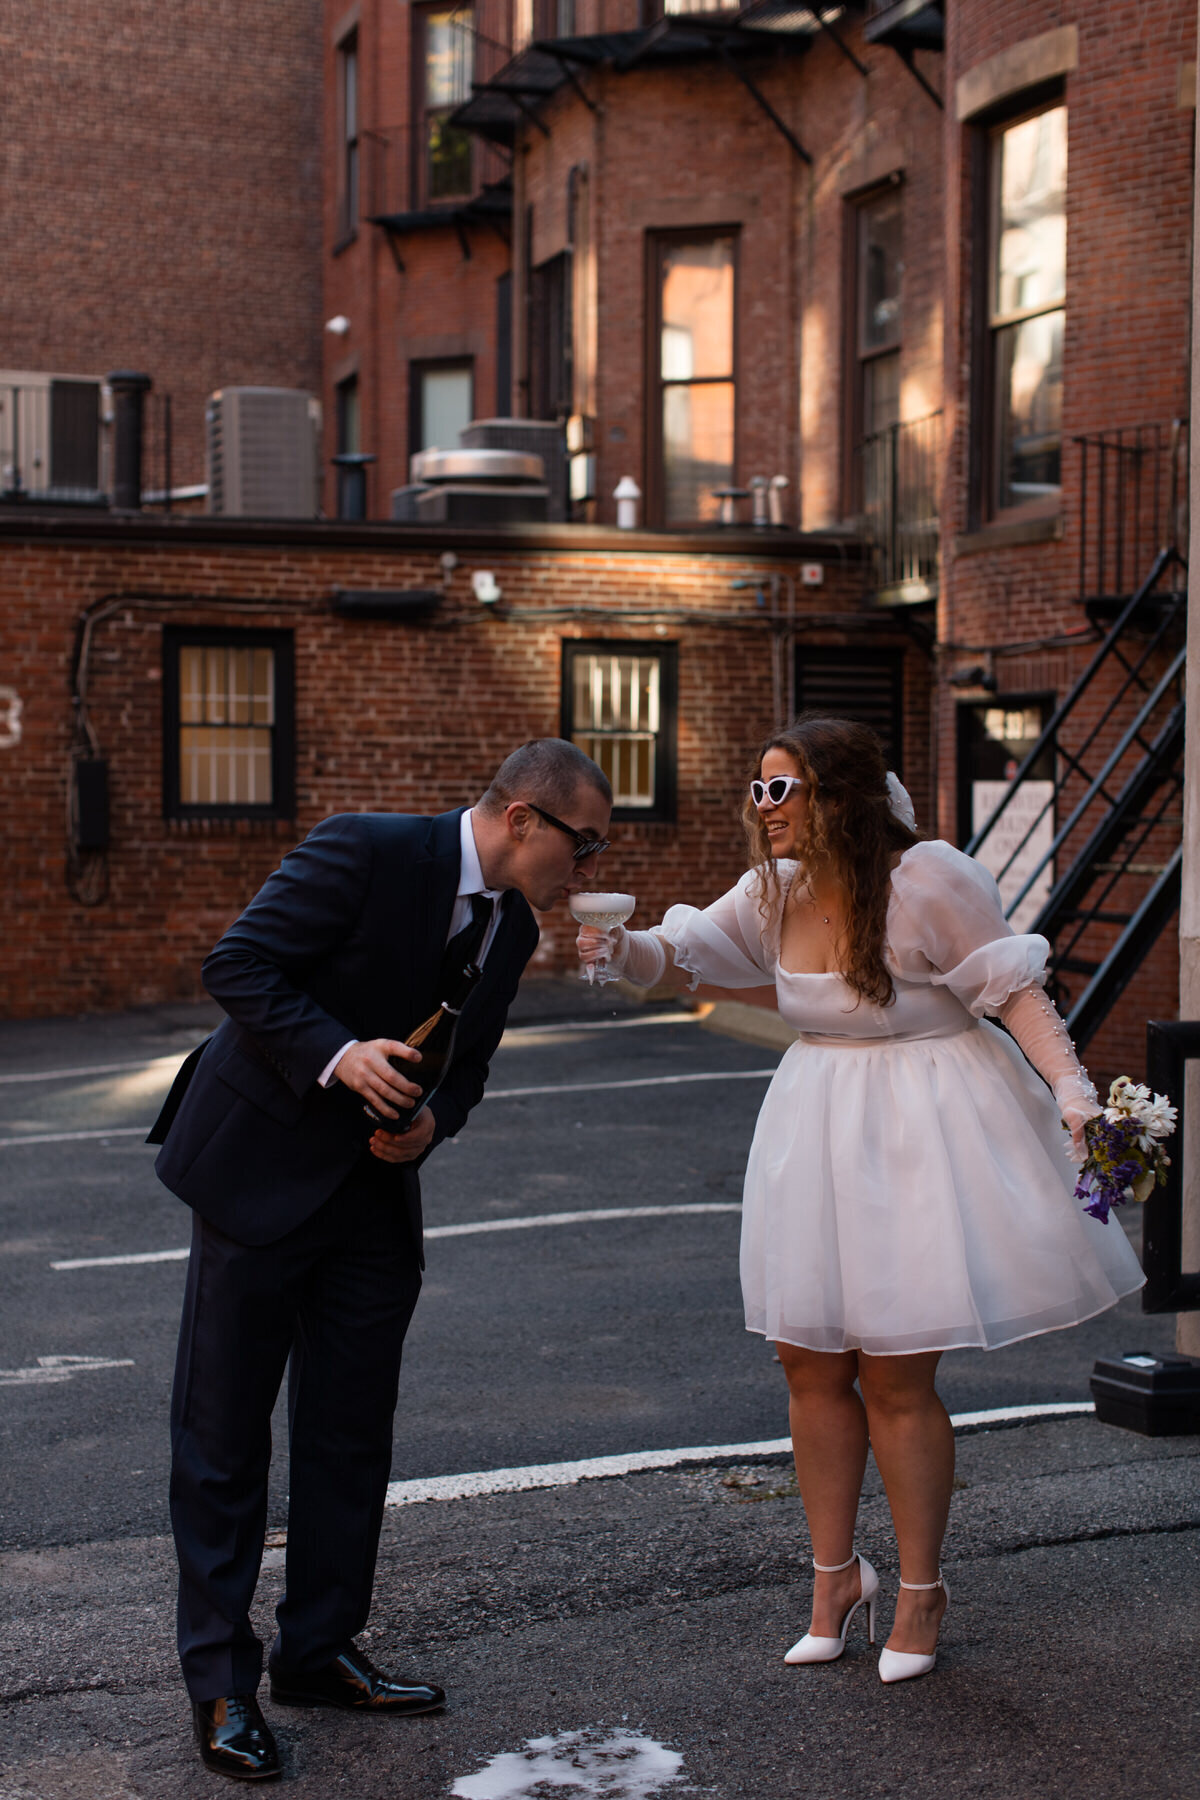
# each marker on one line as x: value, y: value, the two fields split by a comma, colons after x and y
x: 344, y: 940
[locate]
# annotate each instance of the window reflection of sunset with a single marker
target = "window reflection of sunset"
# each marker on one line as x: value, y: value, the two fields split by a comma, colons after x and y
x: 696, y: 368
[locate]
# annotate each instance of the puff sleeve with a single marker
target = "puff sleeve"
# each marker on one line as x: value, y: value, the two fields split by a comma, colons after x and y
x: 730, y: 943
x: 947, y: 927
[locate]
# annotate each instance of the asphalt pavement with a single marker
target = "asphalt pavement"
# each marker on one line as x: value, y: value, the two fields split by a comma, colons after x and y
x: 619, y: 1635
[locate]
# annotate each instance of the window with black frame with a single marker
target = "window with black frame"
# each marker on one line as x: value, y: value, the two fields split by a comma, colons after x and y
x: 444, y: 66
x: 693, y: 391
x: 1027, y: 267
x: 619, y: 706
x: 549, y: 338
x: 347, y: 93
x: 995, y: 736
x: 228, y: 724
x: 441, y: 402
x: 873, y: 336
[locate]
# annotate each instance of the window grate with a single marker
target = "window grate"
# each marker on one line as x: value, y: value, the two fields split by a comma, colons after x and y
x: 618, y: 706
x: 863, y: 685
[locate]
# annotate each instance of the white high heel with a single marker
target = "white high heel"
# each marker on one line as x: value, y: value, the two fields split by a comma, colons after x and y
x: 810, y: 1649
x: 903, y: 1665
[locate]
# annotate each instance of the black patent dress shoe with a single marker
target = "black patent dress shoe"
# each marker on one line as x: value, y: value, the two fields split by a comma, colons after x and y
x: 351, y: 1680
x: 235, y: 1739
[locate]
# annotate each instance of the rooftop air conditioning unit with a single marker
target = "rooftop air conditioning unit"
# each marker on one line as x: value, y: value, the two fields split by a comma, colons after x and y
x: 263, y: 453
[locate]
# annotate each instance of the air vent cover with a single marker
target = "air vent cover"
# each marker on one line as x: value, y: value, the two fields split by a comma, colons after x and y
x: 262, y: 453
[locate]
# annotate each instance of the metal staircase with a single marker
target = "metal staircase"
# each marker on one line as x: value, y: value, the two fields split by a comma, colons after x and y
x: 1117, y: 745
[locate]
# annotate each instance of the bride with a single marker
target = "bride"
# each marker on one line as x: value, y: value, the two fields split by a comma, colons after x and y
x: 908, y: 1190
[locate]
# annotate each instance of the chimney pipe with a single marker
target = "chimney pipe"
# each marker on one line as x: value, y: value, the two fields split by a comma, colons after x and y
x: 129, y: 390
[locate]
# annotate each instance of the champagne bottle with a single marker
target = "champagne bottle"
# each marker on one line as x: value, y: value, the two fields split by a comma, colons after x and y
x: 434, y: 1038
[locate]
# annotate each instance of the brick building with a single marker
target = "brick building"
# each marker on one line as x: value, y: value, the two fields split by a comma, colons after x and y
x: 1069, y: 170
x: 917, y: 265
x: 237, y: 684
x: 160, y: 168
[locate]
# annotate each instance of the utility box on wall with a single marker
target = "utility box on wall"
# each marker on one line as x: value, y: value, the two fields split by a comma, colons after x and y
x: 263, y: 453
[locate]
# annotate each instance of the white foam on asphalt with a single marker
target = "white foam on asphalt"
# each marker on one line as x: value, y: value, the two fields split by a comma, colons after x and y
x: 596, y: 1468
x: 610, y: 1765
x: 471, y: 1228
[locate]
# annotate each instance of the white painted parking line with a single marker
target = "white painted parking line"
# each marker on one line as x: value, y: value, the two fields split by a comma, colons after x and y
x: 595, y: 1468
x: 118, y: 1068
x: 640, y: 1081
x: 521, y: 1093
x: 471, y: 1228
x: 513, y: 1033
x: 73, y: 1137
x: 583, y: 1218
x: 523, y: 1033
x: 117, y: 1262
x: 50, y: 1369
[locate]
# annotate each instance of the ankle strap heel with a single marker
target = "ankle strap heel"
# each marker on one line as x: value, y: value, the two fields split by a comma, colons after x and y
x: 811, y: 1649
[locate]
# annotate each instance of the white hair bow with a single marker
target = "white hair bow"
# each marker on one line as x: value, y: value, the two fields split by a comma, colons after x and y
x: 900, y: 802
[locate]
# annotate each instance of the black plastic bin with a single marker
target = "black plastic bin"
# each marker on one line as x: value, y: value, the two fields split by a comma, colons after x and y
x: 1156, y: 1395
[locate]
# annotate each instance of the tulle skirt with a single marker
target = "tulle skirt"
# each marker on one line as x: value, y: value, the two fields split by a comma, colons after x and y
x: 910, y: 1195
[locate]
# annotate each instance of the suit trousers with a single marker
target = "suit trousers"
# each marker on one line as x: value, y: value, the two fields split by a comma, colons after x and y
x: 335, y: 1296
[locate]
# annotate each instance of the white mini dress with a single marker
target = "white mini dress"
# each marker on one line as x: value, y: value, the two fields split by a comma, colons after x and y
x: 908, y: 1187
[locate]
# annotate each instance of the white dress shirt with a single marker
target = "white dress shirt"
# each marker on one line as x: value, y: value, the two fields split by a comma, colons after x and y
x: 470, y: 881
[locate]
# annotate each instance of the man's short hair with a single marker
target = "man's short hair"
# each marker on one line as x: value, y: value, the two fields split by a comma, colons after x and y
x: 545, y: 772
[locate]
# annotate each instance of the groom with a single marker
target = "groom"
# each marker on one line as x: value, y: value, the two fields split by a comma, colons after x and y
x: 306, y: 1237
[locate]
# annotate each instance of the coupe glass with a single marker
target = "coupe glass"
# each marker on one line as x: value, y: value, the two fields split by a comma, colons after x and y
x: 605, y: 912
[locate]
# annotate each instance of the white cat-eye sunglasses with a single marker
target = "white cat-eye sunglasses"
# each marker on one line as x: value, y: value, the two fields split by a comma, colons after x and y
x: 776, y: 790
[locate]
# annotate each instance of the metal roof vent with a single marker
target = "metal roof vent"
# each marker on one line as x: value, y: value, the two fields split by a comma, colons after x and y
x: 474, y: 487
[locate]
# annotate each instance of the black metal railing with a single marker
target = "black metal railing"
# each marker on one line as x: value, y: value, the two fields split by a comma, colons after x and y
x: 896, y: 478
x: 1133, y: 487
x: 1106, y: 829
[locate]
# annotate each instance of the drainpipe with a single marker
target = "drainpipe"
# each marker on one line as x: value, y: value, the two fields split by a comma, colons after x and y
x: 129, y: 390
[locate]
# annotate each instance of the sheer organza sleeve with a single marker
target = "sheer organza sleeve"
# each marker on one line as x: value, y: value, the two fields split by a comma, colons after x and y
x: 946, y: 926
x: 730, y: 943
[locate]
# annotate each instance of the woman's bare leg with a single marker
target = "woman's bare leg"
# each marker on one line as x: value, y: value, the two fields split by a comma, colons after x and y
x: 829, y: 1441
x: 913, y: 1441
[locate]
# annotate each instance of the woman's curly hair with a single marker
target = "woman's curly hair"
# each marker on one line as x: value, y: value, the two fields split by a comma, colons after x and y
x: 851, y: 827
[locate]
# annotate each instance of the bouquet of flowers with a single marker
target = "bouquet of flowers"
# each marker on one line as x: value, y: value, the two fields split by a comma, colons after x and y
x: 1125, y: 1159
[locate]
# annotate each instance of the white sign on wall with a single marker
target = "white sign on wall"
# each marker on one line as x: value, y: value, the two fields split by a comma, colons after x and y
x: 1033, y: 801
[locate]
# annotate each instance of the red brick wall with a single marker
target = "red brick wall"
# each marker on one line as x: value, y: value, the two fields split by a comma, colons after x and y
x: 1129, y: 196
x: 687, y: 147
x: 393, y: 716
x: 442, y: 303
x: 160, y: 167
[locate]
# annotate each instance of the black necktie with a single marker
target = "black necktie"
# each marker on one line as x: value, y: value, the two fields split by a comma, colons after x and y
x: 465, y: 945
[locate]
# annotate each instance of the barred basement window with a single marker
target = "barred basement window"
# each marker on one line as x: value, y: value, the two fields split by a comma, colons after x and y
x: 228, y: 724
x: 618, y: 705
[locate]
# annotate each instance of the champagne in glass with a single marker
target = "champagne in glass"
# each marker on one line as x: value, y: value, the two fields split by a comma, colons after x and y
x: 605, y: 912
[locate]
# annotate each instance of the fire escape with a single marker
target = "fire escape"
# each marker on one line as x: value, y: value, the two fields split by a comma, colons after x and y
x: 1105, y: 833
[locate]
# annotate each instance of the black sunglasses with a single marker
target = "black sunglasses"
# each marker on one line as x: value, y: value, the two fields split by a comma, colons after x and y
x: 584, y: 845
